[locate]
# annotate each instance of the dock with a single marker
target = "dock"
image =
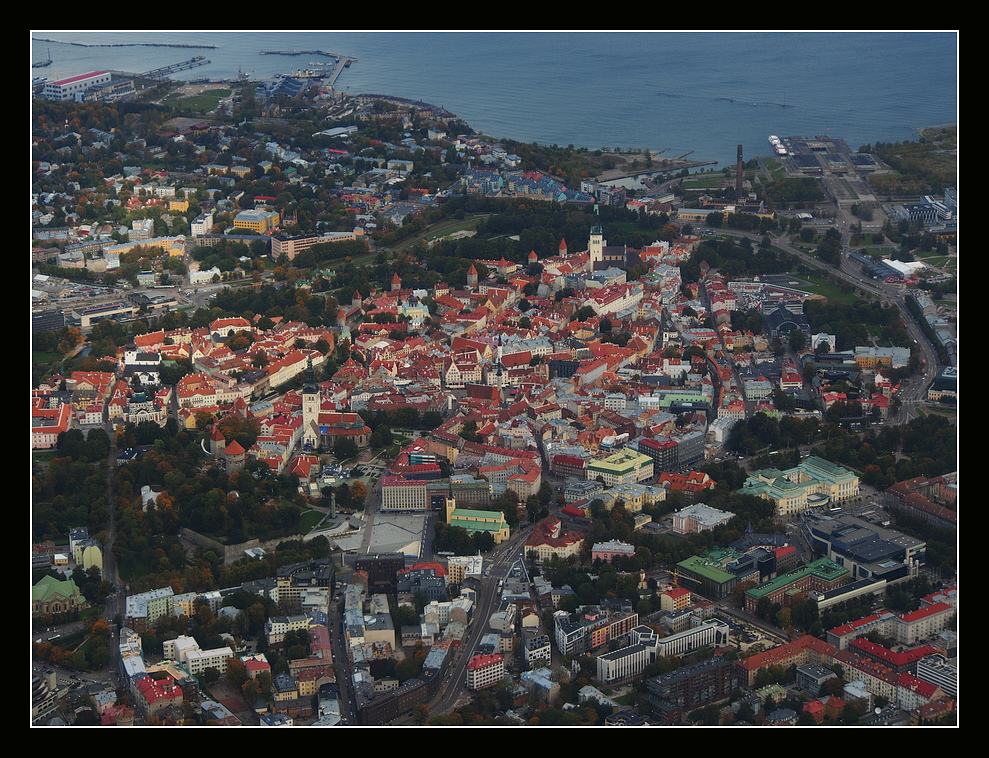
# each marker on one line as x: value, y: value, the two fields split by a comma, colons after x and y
x: 46, y: 62
x: 161, y: 73
x: 342, y: 61
x: 341, y: 64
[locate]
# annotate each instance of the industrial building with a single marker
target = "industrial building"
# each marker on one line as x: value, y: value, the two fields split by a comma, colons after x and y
x: 73, y: 87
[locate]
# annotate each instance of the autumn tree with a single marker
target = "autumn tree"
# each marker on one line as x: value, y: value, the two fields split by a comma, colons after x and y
x: 358, y: 491
x: 236, y: 672
x: 249, y: 690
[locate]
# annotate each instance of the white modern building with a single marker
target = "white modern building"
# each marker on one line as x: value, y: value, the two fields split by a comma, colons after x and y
x: 186, y: 651
x: 202, y: 224
x: 939, y: 671
x: 624, y: 664
x: 536, y: 646
x: 70, y: 88
x: 646, y: 647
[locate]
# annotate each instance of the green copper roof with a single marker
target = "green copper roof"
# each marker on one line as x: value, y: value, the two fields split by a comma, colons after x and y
x: 49, y: 586
x: 824, y: 568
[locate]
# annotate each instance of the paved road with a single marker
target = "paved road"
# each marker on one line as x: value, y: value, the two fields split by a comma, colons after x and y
x: 452, y: 691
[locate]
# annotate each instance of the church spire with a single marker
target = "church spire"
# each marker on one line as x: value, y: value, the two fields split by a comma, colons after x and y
x: 309, y: 387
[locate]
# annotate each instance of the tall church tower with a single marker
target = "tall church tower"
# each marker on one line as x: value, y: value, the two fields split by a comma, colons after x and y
x: 595, y: 246
x: 310, y: 409
x: 499, y: 380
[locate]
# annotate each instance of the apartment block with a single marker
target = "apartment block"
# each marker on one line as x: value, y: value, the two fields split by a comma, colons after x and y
x: 485, y: 671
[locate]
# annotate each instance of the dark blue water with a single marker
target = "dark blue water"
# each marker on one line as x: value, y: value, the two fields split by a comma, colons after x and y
x: 676, y: 92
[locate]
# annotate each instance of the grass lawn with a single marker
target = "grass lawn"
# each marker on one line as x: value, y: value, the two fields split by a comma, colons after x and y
x: 704, y: 181
x: 39, y: 356
x: 940, y: 410
x: 309, y: 520
x: 44, y: 456
x: 942, y: 262
x: 776, y: 171
x: 204, y: 102
x: 464, y: 226
x: 361, y: 260
x: 833, y: 293
x: 439, y: 231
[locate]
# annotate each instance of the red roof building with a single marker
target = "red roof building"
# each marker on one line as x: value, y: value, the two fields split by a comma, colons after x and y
x: 485, y: 671
x: 157, y: 693
x: 899, y: 662
x: 693, y: 483
x: 806, y: 649
x: 550, y: 537
x: 255, y: 665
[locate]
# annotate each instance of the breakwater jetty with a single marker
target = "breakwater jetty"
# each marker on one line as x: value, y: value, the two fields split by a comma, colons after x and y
x: 131, y: 44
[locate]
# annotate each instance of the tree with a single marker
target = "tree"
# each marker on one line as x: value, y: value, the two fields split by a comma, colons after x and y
x: 469, y: 432
x: 236, y: 672
x: 381, y: 436
x: 266, y: 681
x: 358, y: 491
x: 545, y: 493
x: 709, y: 715
x: 345, y: 447
x: 250, y: 691
x: 151, y: 643
x: 420, y: 713
x: 797, y: 340
x: 483, y: 541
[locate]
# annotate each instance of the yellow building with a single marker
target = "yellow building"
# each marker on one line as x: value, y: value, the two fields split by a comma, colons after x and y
x: 815, y: 482
x: 633, y: 496
x: 257, y: 221
x: 695, y: 215
x: 624, y: 467
x: 478, y: 521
